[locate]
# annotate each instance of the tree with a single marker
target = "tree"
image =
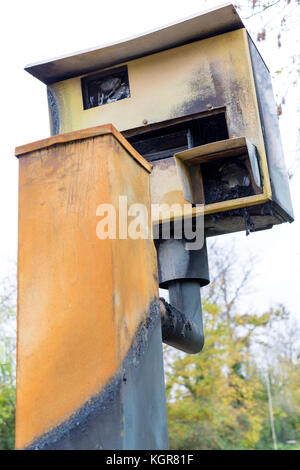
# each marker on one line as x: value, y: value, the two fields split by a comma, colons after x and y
x: 281, y: 350
x: 7, y: 364
x: 218, y: 399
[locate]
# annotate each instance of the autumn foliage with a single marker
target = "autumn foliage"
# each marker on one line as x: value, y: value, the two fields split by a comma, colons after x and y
x: 218, y: 399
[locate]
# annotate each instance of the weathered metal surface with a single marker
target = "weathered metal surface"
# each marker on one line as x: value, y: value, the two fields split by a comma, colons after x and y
x: 107, y: 129
x: 182, y: 325
x: 211, y: 74
x: 182, y: 272
x: 210, y: 23
x: 219, y: 171
x: 176, y: 262
x: 78, y: 308
x: 222, y: 148
x: 211, y: 78
x: 262, y: 217
x: 270, y: 126
x: 117, y: 418
x: 53, y: 113
x: 194, y: 78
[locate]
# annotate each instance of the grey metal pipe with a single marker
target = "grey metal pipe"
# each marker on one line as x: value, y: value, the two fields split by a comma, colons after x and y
x: 182, y: 325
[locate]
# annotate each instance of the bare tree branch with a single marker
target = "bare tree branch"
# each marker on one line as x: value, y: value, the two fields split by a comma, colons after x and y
x: 264, y: 9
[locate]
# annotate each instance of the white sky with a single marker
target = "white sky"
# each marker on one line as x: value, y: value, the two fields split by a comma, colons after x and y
x: 33, y: 30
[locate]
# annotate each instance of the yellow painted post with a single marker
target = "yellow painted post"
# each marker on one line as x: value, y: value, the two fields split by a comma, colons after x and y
x: 88, y: 312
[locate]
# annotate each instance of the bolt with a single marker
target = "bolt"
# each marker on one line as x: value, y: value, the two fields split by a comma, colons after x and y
x: 145, y: 122
x: 209, y: 106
